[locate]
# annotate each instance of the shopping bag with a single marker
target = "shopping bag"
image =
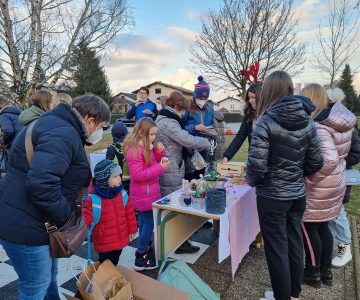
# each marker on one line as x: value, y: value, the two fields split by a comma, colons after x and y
x: 198, y: 161
x: 103, y: 281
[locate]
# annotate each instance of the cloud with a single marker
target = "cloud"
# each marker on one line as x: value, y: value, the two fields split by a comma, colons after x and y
x: 184, y: 34
x: 309, y: 12
x: 193, y: 14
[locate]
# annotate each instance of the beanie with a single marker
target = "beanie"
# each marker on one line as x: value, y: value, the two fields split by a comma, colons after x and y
x: 104, y: 170
x: 335, y: 94
x: 119, y: 131
x: 202, y: 89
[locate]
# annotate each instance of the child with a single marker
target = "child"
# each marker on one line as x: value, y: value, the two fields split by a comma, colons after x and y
x: 284, y: 148
x: 117, y: 223
x: 326, y: 188
x: 114, y: 151
x: 146, y: 164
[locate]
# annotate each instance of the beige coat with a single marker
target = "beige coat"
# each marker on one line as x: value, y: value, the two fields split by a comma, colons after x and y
x: 325, y: 189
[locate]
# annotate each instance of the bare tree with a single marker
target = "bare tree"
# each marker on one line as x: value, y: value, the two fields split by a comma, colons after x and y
x: 339, y: 39
x: 38, y: 37
x: 244, y: 31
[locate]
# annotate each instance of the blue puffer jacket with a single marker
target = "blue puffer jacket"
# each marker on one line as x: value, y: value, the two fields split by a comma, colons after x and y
x: 9, y: 122
x: 137, y: 111
x: 201, y: 116
x: 47, y: 191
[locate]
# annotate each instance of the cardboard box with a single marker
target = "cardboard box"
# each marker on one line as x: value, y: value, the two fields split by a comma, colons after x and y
x: 232, y: 168
x: 146, y: 288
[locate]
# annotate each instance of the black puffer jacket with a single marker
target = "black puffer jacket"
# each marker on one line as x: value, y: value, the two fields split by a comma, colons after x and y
x: 284, y: 148
x: 9, y: 122
x: 48, y: 190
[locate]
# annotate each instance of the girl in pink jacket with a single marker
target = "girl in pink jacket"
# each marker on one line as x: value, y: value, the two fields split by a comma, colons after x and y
x: 146, y: 163
x: 325, y: 189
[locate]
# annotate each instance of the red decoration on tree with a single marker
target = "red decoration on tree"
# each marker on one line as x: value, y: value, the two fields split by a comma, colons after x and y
x: 251, y: 74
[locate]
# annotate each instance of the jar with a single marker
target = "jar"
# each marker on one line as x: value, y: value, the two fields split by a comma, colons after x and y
x: 185, y: 200
x: 198, y: 203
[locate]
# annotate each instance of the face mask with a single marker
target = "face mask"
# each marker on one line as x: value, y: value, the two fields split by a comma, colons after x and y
x: 200, y: 103
x: 95, y: 137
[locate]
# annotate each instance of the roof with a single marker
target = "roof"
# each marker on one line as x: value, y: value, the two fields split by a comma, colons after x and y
x: 129, y: 95
x: 223, y: 109
x: 178, y: 88
x: 230, y: 98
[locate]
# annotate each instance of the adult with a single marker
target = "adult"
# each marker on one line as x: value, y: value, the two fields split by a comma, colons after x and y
x: 325, y: 189
x: 143, y: 106
x: 42, y: 101
x: 46, y: 191
x: 284, y: 148
x: 174, y: 137
x: 245, y: 131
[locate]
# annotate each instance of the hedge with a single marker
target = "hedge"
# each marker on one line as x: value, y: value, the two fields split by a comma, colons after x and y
x: 233, y: 117
x: 114, y: 117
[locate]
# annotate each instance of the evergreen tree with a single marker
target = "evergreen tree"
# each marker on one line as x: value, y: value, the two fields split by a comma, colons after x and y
x: 346, y: 84
x: 89, y: 76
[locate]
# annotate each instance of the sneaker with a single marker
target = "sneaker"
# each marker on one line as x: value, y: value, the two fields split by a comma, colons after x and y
x: 343, y: 256
x: 187, y: 247
x: 207, y: 225
x: 269, y: 295
x: 144, y: 262
x: 311, y: 276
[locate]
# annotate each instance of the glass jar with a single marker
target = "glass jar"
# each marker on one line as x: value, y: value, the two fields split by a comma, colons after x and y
x: 198, y: 203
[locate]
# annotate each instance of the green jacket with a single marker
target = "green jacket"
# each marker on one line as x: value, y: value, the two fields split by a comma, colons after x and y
x: 31, y: 114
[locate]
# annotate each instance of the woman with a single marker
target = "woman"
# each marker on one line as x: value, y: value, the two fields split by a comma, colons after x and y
x: 245, y: 131
x: 284, y: 148
x: 174, y: 137
x: 47, y: 190
x: 325, y: 189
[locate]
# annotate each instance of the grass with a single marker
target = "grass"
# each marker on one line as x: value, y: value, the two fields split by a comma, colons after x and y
x: 353, y: 207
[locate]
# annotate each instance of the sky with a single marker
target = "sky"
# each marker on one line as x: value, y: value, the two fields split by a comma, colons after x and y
x: 157, y: 47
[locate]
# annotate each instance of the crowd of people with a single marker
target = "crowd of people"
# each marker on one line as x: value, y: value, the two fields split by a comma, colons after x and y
x: 299, y: 149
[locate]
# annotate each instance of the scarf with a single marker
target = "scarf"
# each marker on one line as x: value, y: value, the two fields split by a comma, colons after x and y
x: 108, y: 193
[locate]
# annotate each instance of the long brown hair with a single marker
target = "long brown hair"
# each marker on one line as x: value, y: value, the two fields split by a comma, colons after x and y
x: 317, y: 94
x: 276, y: 86
x: 249, y: 112
x: 42, y: 99
x: 141, y: 133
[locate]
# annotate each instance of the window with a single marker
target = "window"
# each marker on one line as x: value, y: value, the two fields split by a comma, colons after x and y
x: 232, y: 106
x: 158, y: 91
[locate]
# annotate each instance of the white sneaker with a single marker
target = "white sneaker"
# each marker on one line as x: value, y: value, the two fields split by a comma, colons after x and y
x: 343, y: 256
x: 269, y: 295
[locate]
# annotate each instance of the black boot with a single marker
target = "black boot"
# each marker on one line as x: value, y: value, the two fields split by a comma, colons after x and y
x: 187, y: 247
x: 326, y: 274
x: 312, y: 276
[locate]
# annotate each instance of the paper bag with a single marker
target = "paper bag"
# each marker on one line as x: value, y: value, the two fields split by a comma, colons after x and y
x: 103, y: 281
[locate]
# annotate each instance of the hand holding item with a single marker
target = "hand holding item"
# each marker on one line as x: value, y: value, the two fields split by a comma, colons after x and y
x: 159, y: 147
x: 147, y: 112
x: 225, y: 160
x: 132, y: 236
x: 165, y: 163
x: 200, y: 127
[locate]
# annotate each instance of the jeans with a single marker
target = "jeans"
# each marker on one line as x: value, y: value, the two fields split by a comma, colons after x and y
x: 340, y: 228
x: 36, y: 269
x: 146, y: 228
x: 280, y: 223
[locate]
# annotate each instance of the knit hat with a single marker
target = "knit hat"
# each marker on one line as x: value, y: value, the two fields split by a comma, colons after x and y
x: 335, y: 95
x: 105, y: 169
x: 119, y: 131
x: 202, y: 89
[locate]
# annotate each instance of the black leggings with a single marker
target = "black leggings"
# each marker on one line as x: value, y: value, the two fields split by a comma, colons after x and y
x: 318, y: 243
x: 113, y: 256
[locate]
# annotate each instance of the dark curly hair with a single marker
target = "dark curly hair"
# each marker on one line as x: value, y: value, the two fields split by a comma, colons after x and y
x: 249, y: 112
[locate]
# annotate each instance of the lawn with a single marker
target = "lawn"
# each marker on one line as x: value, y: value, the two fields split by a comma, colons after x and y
x: 353, y: 207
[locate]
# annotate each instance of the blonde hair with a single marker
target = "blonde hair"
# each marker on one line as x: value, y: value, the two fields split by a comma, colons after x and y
x: 141, y: 133
x: 317, y: 94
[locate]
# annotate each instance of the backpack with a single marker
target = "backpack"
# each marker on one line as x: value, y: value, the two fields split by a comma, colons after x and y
x: 96, y: 210
x: 180, y: 276
x: 123, y: 164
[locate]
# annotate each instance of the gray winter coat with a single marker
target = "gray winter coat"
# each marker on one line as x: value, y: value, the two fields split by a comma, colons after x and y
x: 174, y: 138
x: 219, y: 125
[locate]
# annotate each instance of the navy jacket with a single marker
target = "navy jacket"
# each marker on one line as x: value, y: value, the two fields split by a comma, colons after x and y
x: 200, y: 116
x: 137, y: 111
x: 48, y: 190
x: 9, y: 122
x: 284, y: 149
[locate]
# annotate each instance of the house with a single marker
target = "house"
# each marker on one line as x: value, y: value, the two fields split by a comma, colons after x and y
x: 158, y: 88
x: 122, y: 102
x: 231, y: 104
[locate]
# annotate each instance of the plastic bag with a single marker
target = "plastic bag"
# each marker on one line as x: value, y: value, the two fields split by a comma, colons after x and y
x: 198, y: 161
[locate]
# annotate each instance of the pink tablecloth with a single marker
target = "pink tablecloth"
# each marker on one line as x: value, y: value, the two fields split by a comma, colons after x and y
x: 243, y: 222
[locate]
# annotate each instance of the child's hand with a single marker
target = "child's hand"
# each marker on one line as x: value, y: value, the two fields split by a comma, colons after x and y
x: 165, y: 163
x: 159, y: 147
x: 200, y: 127
x: 132, y: 236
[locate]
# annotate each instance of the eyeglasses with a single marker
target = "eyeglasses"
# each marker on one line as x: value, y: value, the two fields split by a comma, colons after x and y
x: 143, y: 93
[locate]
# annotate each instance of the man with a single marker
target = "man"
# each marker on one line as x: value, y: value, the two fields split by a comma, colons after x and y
x: 143, y: 106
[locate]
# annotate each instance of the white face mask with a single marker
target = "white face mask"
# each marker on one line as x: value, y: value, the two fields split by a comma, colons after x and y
x: 200, y: 103
x: 95, y: 137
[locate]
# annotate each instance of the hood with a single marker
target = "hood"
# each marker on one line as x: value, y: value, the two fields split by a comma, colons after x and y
x: 292, y: 112
x: 219, y: 116
x: 31, y: 114
x: 11, y: 110
x: 339, y: 118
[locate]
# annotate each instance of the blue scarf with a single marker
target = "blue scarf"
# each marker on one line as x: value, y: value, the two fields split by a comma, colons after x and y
x: 108, y: 192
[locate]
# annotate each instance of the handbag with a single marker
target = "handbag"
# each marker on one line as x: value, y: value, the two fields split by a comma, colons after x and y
x: 67, y: 239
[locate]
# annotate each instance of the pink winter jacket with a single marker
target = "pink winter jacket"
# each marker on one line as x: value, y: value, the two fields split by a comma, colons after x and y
x: 325, y: 189
x: 144, y: 179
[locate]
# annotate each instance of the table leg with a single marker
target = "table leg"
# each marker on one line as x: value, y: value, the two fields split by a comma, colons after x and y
x: 162, y: 234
